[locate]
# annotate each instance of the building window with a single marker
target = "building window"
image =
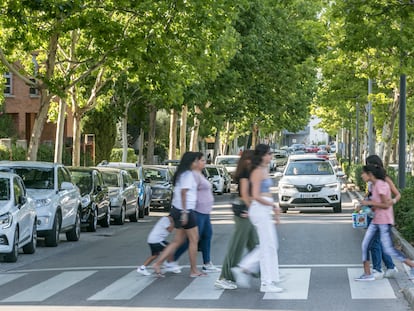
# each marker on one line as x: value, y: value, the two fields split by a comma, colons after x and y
x: 8, y: 83
x: 33, y: 91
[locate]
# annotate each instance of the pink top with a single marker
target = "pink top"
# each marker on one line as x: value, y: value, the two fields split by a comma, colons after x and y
x: 383, y: 216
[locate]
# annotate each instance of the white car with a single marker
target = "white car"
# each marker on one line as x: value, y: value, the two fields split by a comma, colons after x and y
x: 229, y: 162
x: 309, y: 182
x: 17, y: 218
x: 57, y: 199
x: 216, y: 175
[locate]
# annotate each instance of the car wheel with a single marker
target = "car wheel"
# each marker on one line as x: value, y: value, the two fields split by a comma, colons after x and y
x: 52, y: 238
x: 12, y: 256
x: 337, y: 208
x: 31, y: 247
x: 120, y: 219
x: 74, y: 233
x: 137, y: 213
x: 93, y: 220
x: 283, y: 208
x: 106, y: 222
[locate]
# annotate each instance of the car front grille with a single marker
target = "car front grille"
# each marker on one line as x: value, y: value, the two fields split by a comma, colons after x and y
x: 309, y: 188
x: 309, y: 201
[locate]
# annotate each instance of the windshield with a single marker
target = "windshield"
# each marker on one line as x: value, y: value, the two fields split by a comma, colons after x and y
x: 309, y: 168
x: 36, y: 177
x: 228, y: 161
x: 110, y: 178
x: 83, y: 180
x: 4, y: 189
x: 156, y: 175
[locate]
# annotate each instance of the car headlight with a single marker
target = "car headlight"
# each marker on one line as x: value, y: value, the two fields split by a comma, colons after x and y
x: 333, y: 185
x: 6, y: 220
x: 85, y: 200
x: 42, y: 202
x: 286, y: 186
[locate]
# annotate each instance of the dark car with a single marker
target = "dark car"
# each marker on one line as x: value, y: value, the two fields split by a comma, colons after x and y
x: 95, y: 202
x: 160, y: 177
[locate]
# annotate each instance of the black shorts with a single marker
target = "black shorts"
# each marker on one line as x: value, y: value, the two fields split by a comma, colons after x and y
x: 175, y: 213
x: 157, y: 248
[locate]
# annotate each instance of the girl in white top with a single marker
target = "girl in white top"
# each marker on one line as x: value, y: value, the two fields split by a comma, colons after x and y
x: 182, y: 212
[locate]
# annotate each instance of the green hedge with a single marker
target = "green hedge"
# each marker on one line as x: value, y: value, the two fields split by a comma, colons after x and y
x: 404, y: 214
x: 116, y: 155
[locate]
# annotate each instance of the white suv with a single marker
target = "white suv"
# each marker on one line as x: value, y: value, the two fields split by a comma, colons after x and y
x: 309, y: 182
x: 17, y: 218
x: 57, y: 199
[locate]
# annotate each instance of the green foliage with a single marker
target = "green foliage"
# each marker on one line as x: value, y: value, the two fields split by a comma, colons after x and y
x: 355, y: 176
x: 404, y: 214
x: 18, y: 153
x: 4, y: 153
x: 6, y: 124
x: 116, y: 155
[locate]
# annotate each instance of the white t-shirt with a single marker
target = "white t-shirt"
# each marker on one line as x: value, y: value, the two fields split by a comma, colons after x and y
x: 159, y: 233
x: 185, y: 181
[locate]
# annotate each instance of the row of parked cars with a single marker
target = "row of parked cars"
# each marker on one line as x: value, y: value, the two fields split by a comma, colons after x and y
x: 42, y: 199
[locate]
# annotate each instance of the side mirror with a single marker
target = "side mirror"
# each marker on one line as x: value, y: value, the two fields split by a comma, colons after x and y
x: 278, y: 174
x: 22, y: 200
x: 66, y: 186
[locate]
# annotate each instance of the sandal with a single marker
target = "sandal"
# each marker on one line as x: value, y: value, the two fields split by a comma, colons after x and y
x: 157, y: 271
x: 195, y: 275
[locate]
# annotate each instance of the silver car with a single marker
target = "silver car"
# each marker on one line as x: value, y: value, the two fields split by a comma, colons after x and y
x: 57, y: 199
x: 17, y: 218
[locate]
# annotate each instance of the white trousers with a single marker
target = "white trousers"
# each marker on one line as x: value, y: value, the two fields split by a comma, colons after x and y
x: 264, y: 256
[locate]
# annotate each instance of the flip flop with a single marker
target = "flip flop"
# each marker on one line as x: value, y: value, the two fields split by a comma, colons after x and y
x: 198, y: 274
x: 157, y: 272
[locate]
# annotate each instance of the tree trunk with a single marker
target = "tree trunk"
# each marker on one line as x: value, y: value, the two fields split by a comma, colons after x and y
x: 255, y: 131
x: 389, y: 126
x: 172, y: 154
x: 38, y: 126
x: 124, y: 133
x: 60, y: 129
x: 76, y: 147
x: 195, y: 130
x: 151, y: 133
x: 183, y: 130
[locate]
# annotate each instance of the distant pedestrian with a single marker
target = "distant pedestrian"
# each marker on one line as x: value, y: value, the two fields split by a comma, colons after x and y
x: 382, y: 222
x: 375, y: 248
x: 260, y: 214
x: 204, y: 206
x: 157, y: 241
x: 182, y: 211
x: 244, y: 234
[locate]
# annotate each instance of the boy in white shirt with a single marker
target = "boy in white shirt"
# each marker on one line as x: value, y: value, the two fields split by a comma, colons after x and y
x: 157, y: 243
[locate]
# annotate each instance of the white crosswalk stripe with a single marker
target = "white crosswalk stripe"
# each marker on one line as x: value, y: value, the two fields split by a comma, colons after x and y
x: 124, y: 288
x: 296, y: 284
x: 50, y: 287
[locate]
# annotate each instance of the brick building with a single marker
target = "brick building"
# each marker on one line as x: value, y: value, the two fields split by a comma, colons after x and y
x: 22, y: 104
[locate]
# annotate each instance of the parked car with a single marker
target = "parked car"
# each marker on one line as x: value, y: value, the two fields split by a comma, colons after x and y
x: 309, y: 182
x: 311, y: 149
x: 123, y: 194
x: 95, y: 202
x: 143, y: 185
x: 229, y: 162
x: 160, y: 177
x: 279, y: 158
x: 17, y: 218
x: 216, y: 175
x: 57, y: 199
x: 323, y: 154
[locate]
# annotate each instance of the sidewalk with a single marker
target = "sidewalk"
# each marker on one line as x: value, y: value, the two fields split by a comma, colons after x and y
x: 406, y: 285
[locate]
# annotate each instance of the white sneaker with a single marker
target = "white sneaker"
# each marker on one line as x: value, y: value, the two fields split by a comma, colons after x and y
x: 270, y: 288
x: 377, y: 274
x: 143, y: 271
x: 210, y: 268
x: 242, y: 279
x: 172, y: 267
x: 225, y: 284
x: 390, y: 273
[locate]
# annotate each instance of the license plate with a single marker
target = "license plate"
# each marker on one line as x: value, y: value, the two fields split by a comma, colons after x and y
x: 308, y: 195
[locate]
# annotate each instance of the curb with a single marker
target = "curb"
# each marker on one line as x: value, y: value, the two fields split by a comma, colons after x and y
x: 406, y: 248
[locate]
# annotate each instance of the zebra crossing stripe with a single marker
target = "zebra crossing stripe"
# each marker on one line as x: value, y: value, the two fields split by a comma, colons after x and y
x: 50, y: 287
x: 295, y: 285
x: 124, y: 288
x: 8, y: 277
x: 201, y: 288
x: 378, y: 289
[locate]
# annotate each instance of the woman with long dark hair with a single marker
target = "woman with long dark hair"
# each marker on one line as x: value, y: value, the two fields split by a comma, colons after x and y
x: 182, y: 211
x: 260, y: 214
x: 244, y: 234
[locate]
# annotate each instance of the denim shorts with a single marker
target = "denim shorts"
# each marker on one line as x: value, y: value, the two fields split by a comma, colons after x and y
x: 175, y: 213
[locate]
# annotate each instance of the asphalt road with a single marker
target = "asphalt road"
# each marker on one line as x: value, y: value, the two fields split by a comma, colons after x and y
x: 319, y: 255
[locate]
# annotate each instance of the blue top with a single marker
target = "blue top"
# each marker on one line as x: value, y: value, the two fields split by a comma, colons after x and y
x: 265, y: 185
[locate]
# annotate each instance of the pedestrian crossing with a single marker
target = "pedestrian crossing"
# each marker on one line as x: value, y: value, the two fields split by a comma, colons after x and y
x: 124, y: 287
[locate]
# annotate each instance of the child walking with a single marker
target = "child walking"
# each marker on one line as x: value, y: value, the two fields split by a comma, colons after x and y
x: 157, y: 243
